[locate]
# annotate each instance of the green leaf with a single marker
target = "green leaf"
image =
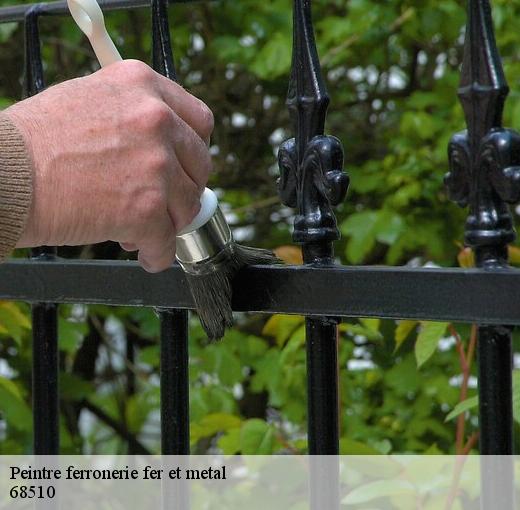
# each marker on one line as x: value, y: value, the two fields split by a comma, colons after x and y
x: 149, y: 324
x: 371, y: 334
x: 229, y: 442
x: 210, y: 399
x: 404, y: 328
x: 71, y: 334
x: 256, y: 438
x: 379, y: 489
x: 351, y: 447
x: 74, y: 388
x: 367, y: 227
x: 293, y: 346
x: 13, y: 407
x: 360, y: 228
x: 268, y: 370
x: 274, y: 59
x: 388, y: 227
x: 429, y: 335
x: 13, y: 321
x: 516, y: 395
x: 211, y: 424
x: 462, y: 407
x: 139, y: 406
x: 6, y: 30
x: 150, y: 355
x: 282, y: 327
x: 229, y: 49
x: 221, y: 361
x: 372, y: 324
x: 418, y: 125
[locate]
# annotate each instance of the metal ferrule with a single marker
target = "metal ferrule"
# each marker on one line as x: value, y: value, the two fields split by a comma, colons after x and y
x: 202, y: 245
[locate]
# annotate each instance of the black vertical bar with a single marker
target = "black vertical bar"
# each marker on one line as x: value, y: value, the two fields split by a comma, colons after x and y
x: 495, y: 390
x: 44, y: 316
x: 322, y: 396
x: 481, y: 161
x: 322, y: 371
x: 322, y: 386
x: 45, y: 379
x: 175, y: 420
x: 496, y: 417
x: 484, y: 174
x: 162, y: 55
x: 312, y: 181
x: 130, y: 380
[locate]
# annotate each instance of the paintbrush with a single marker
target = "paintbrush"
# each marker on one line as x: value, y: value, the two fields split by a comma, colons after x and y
x: 206, y: 250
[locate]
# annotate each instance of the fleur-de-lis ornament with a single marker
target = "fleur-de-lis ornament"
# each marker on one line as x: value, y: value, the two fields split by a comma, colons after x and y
x: 311, y: 176
x: 484, y: 159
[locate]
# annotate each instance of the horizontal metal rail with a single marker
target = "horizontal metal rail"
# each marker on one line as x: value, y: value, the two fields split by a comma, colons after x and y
x: 461, y: 295
x: 18, y: 12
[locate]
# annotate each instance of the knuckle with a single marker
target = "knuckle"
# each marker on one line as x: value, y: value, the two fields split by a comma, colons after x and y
x: 156, y: 115
x: 137, y: 70
x: 159, y: 162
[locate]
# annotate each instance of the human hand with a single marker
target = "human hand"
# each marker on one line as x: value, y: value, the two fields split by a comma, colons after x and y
x: 119, y: 155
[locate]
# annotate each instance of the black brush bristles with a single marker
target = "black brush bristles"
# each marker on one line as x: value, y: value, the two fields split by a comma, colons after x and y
x: 211, y: 285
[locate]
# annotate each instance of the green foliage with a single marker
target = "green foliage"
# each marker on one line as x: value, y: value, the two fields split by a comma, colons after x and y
x: 392, y: 69
x: 462, y: 407
x: 12, y: 321
x: 427, y: 340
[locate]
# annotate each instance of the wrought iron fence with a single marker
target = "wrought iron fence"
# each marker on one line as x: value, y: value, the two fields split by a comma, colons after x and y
x: 484, y: 175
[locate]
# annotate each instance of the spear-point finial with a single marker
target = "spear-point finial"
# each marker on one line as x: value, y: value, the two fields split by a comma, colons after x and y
x: 483, y: 88
x: 484, y: 159
x: 311, y: 163
x: 307, y: 99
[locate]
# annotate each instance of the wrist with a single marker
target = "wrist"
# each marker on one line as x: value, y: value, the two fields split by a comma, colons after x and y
x: 31, y: 133
x: 16, y: 176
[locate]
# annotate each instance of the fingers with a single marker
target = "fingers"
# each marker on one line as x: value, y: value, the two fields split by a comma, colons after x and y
x: 129, y: 246
x: 192, y: 153
x: 161, y: 220
x: 191, y: 110
x: 156, y: 244
x: 183, y: 198
x: 157, y: 249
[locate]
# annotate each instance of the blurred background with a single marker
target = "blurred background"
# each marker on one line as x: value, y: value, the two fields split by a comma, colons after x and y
x: 392, y: 70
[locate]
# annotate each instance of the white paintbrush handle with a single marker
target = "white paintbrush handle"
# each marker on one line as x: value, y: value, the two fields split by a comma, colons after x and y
x: 89, y: 17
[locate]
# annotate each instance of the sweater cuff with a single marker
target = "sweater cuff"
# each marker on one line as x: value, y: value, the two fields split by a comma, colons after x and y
x: 16, y: 184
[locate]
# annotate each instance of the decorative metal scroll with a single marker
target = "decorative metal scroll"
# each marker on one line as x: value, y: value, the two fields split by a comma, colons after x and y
x: 311, y: 163
x: 484, y: 159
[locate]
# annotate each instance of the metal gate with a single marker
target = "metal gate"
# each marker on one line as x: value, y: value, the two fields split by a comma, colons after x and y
x: 484, y: 174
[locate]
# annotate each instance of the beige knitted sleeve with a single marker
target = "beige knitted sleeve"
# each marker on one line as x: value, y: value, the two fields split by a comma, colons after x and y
x: 15, y: 185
